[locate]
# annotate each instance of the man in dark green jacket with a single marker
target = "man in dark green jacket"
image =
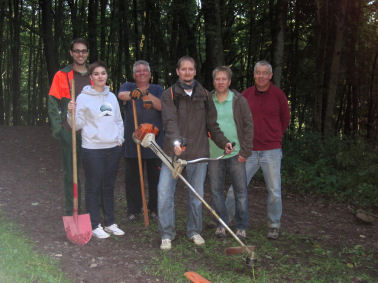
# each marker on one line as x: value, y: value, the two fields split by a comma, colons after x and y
x: 59, y: 96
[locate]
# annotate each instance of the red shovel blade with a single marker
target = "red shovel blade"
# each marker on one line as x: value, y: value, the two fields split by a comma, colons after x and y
x: 195, y: 277
x: 78, y: 228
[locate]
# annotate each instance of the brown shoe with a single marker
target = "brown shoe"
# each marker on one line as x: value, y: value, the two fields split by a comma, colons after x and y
x: 273, y: 233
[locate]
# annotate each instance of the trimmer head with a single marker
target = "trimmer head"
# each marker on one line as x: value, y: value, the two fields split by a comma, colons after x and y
x: 250, y: 258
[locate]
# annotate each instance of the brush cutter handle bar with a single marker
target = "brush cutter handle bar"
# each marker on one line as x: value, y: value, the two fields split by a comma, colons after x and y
x: 203, y: 159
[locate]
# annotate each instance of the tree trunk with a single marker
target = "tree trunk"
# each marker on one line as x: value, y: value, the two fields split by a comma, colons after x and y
x: 251, y: 45
x: 372, y: 112
x: 59, y: 24
x: 214, y: 42
x: 103, y: 25
x: 335, y: 68
x: 49, y: 45
x: 30, y: 86
x: 15, y: 19
x: 75, y: 24
x: 2, y: 16
x: 92, y: 30
x: 322, y: 34
x: 279, y: 40
x: 136, y: 29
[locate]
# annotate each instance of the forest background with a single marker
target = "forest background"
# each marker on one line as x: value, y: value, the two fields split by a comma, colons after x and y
x: 324, y: 56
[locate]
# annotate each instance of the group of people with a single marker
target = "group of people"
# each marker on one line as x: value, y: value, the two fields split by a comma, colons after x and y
x: 247, y: 127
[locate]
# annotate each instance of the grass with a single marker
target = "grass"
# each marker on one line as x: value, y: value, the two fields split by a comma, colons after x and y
x: 292, y: 258
x: 20, y: 263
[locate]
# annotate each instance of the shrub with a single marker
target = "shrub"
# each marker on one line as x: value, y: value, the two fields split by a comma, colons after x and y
x: 342, y: 169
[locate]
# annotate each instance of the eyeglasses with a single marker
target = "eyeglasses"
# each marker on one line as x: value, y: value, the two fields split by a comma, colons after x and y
x: 77, y: 51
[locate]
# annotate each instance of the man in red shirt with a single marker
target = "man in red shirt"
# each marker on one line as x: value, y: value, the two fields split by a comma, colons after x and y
x: 271, y: 117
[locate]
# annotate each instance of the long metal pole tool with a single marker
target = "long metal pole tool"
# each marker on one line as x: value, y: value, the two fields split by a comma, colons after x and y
x: 149, y: 141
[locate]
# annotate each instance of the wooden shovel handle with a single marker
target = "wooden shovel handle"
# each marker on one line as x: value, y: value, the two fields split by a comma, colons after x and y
x: 145, y: 210
x: 74, y: 158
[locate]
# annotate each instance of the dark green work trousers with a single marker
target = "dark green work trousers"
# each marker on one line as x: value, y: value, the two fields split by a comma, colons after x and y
x: 66, y: 143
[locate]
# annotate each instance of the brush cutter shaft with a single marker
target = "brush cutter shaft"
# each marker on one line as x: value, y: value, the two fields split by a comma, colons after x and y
x: 149, y: 141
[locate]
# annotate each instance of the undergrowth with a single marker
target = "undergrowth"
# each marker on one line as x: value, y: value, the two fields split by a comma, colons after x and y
x: 345, y: 170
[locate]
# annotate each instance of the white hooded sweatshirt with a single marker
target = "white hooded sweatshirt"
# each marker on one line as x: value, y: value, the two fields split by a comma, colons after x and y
x: 99, y: 118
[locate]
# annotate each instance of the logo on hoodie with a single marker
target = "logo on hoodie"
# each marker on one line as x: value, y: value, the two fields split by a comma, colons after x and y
x: 106, y: 109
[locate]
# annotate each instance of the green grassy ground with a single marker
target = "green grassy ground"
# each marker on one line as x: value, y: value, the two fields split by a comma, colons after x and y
x: 19, y: 262
x: 292, y: 258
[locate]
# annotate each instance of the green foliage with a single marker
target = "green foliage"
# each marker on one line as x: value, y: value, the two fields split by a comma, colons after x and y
x: 333, y: 168
x: 20, y: 263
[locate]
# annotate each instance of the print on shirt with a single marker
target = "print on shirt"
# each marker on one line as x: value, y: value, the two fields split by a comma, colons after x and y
x: 106, y: 109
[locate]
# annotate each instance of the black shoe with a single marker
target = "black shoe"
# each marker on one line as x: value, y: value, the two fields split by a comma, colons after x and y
x: 273, y: 233
x: 132, y: 217
x: 220, y: 232
x: 153, y: 215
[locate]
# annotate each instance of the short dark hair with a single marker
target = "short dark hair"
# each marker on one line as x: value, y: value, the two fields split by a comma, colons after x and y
x: 186, y: 58
x: 94, y: 65
x: 224, y: 69
x: 79, y: 40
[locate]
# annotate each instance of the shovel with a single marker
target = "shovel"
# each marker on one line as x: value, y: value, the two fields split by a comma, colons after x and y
x: 78, y: 227
x: 141, y: 179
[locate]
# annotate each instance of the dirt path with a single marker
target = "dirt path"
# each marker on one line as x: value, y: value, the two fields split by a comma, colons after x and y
x: 31, y: 194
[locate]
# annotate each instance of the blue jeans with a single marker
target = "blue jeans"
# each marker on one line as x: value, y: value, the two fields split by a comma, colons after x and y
x: 196, y: 175
x: 100, y: 168
x: 217, y: 171
x: 270, y: 163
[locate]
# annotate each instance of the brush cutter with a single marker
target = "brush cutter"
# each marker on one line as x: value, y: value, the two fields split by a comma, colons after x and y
x: 144, y: 135
x: 78, y: 227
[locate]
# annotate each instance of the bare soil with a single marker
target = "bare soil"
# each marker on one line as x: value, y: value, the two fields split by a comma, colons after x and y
x: 31, y: 194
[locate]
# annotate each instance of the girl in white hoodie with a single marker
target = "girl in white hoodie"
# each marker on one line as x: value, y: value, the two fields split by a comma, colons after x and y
x: 99, y: 118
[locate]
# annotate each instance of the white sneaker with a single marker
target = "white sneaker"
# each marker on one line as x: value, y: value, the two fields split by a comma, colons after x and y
x: 197, y: 239
x: 165, y: 244
x: 100, y: 233
x: 113, y: 229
